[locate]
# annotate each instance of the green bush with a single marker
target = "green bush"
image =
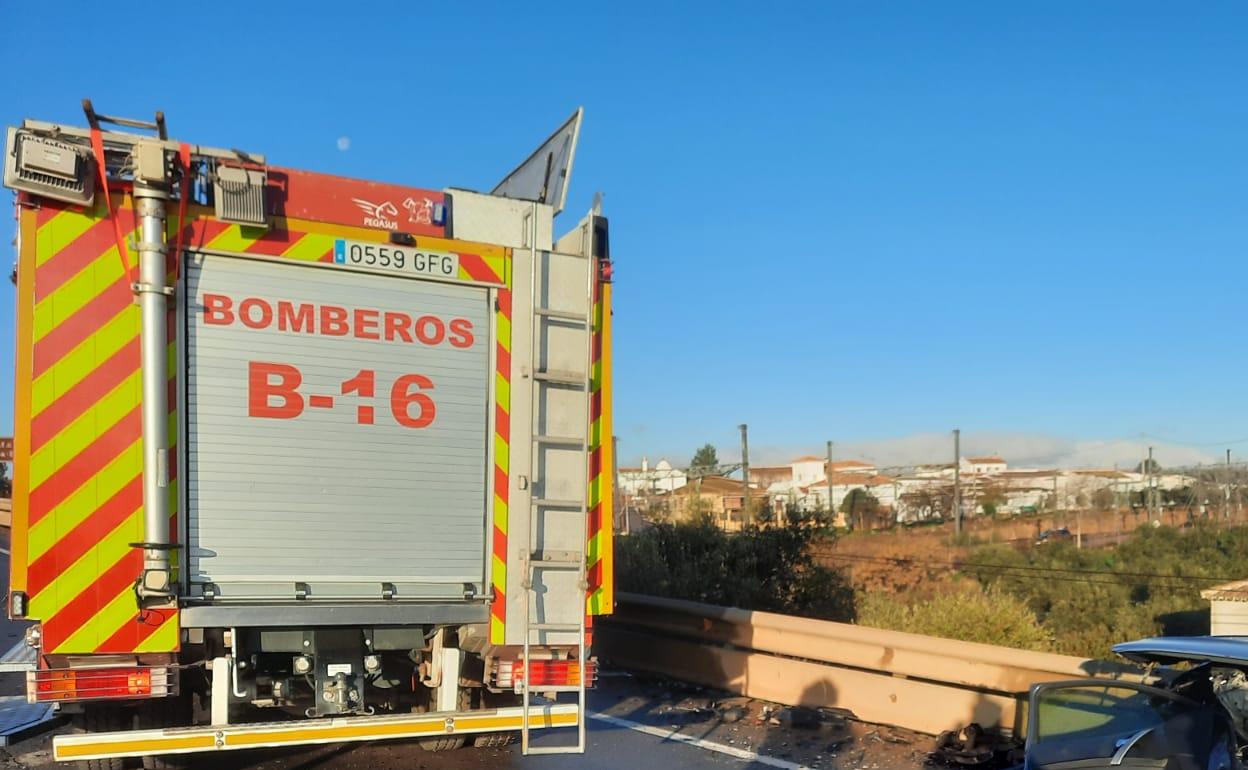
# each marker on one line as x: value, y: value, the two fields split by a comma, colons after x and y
x: 1089, y: 600
x: 769, y: 569
x: 969, y: 614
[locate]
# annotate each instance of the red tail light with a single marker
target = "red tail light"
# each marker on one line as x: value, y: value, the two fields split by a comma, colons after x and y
x: 97, y: 683
x: 545, y: 673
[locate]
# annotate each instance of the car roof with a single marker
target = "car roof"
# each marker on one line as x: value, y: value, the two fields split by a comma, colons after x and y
x: 1230, y: 650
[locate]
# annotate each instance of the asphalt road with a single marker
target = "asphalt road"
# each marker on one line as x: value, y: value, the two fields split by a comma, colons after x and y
x: 638, y: 723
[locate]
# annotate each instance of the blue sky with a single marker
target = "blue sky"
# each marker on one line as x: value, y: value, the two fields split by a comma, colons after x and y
x: 869, y: 222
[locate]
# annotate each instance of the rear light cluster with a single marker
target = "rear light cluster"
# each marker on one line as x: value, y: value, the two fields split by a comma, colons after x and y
x: 79, y: 684
x: 509, y: 674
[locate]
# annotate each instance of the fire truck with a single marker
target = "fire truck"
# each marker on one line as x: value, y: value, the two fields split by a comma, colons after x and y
x: 304, y: 459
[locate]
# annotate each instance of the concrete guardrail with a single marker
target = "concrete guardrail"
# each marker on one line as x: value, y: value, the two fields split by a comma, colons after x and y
x: 921, y: 683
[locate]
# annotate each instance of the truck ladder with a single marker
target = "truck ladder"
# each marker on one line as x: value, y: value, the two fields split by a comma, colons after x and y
x: 537, y: 560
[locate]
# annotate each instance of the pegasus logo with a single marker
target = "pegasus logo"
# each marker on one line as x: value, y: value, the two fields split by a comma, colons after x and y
x: 419, y: 212
x: 378, y: 214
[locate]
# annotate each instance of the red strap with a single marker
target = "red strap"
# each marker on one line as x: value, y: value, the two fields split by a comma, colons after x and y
x: 184, y: 157
x: 97, y: 146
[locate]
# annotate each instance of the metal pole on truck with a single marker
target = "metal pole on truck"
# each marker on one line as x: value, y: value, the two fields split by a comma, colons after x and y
x: 151, y: 190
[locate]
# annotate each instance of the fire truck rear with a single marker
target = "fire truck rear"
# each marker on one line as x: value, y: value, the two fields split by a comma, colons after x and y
x: 299, y: 458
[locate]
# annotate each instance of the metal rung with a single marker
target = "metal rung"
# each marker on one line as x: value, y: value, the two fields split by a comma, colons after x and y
x: 554, y: 378
x: 556, y: 627
x: 556, y: 565
x: 573, y: 440
x: 554, y: 503
x: 561, y: 315
x: 542, y: 688
x: 537, y: 751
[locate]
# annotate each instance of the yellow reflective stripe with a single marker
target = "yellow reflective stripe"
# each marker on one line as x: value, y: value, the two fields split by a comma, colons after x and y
x: 233, y: 238
x: 498, y: 573
x: 310, y: 247
x: 504, y: 332
x: 85, y: 428
x: 70, y: 297
x: 502, y: 392
x: 59, y: 231
x: 75, y: 509
x: 103, y: 624
x: 497, y: 631
x: 137, y: 746
x: 500, y: 452
x: 83, y: 359
x: 81, y: 574
x: 162, y: 639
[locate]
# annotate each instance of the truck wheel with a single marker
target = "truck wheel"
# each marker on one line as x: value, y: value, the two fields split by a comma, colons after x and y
x: 493, y: 740
x: 105, y: 718
x: 162, y: 713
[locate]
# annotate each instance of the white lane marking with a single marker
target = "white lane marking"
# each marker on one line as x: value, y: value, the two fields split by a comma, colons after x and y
x: 673, y: 735
x: 5, y: 551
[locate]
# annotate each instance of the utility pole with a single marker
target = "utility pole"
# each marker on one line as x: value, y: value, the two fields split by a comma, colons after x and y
x: 1226, y: 507
x: 615, y: 482
x: 746, y: 514
x: 957, y: 481
x: 1152, y: 490
x: 831, y: 507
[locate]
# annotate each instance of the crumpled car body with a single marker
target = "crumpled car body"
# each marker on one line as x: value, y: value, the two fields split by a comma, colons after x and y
x: 1190, y: 719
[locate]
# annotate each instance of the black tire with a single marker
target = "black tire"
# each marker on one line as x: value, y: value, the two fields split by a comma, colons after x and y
x: 105, y: 718
x: 162, y: 713
x: 442, y: 743
x: 493, y: 740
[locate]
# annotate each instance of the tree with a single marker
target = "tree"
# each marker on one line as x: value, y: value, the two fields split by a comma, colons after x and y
x: 705, y: 461
x: 1149, y: 466
x: 1103, y: 499
x: 858, y: 505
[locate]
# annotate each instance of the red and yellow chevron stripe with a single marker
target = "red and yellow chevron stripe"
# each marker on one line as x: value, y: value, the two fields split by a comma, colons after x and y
x: 502, y: 454
x: 600, y: 548
x: 78, y: 439
x: 78, y: 444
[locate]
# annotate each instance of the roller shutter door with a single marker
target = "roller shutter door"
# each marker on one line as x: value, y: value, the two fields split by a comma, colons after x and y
x: 337, y: 432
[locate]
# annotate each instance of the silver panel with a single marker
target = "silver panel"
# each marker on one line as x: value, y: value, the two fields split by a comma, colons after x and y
x: 314, y: 614
x: 319, y: 498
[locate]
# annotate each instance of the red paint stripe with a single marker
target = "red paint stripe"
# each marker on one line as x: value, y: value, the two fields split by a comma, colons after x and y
x: 134, y: 632
x: 500, y: 484
x: 197, y: 233
x: 499, y: 607
x: 86, y: 320
x: 79, y: 470
x: 502, y: 423
x: 273, y: 243
x: 72, y: 545
x: 46, y: 209
x: 478, y: 269
x: 327, y: 256
x: 82, y: 608
x: 73, y: 402
x: 73, y: 257
x: 504, y: 303
x: 504, y: 362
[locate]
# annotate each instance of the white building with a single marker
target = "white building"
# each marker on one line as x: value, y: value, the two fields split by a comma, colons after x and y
x: 647, y: 480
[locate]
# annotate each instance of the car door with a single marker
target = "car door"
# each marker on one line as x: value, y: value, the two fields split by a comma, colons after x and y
x: 1086, y: 724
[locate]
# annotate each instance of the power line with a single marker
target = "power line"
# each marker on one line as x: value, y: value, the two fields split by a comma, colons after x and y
x: 1027, y: 568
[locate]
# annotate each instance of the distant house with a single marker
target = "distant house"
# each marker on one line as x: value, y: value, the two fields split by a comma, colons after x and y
x: 768, y: 476
x: 1228, y: 608
x: 647, y: 480
x: 986, y: 464
x: 718, y: 495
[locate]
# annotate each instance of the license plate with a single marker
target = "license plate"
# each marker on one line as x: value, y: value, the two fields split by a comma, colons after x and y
x: 407, y: 260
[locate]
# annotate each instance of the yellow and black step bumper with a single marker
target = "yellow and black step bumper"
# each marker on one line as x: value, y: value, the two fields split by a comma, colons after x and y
x: 191, y: 740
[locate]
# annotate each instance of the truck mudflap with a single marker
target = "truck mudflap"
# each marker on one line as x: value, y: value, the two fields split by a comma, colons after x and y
x: 191, y: 740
